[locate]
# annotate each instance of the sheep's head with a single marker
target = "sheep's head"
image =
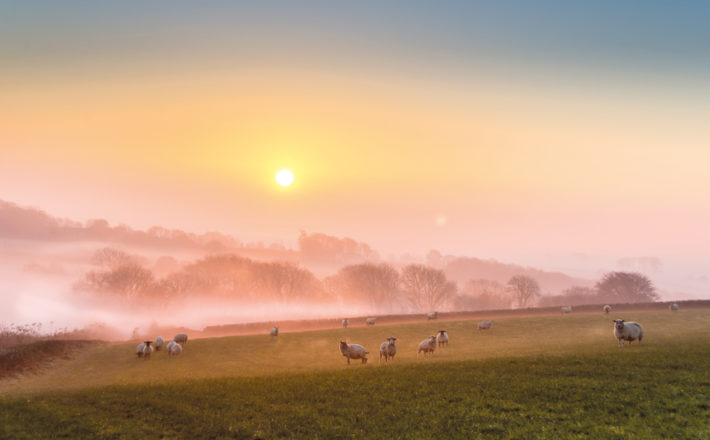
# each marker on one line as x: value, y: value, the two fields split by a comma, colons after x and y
x: 619, y: 323
x: 343, y: 344
x: 147, y: 343
x: 441, y: 332
x: 391, y: 340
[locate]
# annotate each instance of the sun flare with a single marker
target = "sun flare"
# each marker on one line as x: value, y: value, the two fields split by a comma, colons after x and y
x: 284, y: 177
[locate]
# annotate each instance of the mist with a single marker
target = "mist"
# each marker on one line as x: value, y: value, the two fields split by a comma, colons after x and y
x: 122, y: 282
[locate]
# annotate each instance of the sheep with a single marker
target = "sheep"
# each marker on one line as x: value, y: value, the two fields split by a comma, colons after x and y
x: 174, y: 349
x: 370, y: 321
x: 627, y: 331
x: 566, y: 309
x: 180, y: 338
x: 442, y: 338
x: 388, y: 349
x: 274, y: 331
x: 346, y: 323
x: 170, y: 344
x: 427, y: 346
x: 606, y: 308
x: 432, y: 315
x: 673, y: 307
x: 485, y: 325
x: 147, y: 349
x: 140, y: 348
x: 159, y: 341
x: 353, y: 351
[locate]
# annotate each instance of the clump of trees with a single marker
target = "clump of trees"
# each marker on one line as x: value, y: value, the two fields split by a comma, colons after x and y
x: 613, y: 287
x: 416, y: 288
x: 226, y: 276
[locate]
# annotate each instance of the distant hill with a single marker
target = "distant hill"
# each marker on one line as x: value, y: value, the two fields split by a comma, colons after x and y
x: 318, y: 252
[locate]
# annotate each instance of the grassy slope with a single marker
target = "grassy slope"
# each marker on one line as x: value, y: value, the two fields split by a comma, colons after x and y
x: 545, y: 377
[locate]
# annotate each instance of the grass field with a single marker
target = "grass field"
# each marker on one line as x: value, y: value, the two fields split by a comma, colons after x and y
x: 528, y: 377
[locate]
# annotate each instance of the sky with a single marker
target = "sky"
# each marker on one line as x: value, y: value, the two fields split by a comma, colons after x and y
x: 560, y: 134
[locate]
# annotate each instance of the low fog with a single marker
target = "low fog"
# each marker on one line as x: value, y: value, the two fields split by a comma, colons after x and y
x: 120, y: 282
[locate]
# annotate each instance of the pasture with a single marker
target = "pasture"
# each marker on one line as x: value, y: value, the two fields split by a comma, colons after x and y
x: 528, y: 377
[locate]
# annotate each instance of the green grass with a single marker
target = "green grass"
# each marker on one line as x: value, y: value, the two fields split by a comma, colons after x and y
x: 535, y: 377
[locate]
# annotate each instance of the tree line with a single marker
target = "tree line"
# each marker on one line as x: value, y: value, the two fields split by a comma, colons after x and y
x: 379, y: 286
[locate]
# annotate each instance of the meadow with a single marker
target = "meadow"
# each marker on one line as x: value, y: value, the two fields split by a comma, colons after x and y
x: 528, y: 377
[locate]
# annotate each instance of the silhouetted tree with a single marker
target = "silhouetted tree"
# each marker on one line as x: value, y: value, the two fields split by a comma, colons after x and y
x: 484, y: 295
x: 523, y: 289
x: 378, y: 284
x: 626, y: 287
x: 426, y: 288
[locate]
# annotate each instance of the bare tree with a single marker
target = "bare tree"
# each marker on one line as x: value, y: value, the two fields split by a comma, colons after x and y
x: 626, y: 287
x: 426, y: 288
x: 523, y: 289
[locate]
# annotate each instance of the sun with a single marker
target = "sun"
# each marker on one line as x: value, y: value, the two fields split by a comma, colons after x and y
x: 284, y: 177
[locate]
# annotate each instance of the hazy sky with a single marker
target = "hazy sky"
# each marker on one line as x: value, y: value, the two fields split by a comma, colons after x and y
x: 515, y: 130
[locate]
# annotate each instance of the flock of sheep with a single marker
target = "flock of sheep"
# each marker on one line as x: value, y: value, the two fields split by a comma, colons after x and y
x: 623, y: 331
x: 388, y: 349
x: 174, y: 347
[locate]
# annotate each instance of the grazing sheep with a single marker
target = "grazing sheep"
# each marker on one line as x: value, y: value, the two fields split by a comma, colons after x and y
x: 346, y: 323
x: 388, y: 349
x: 627, y: 331
x: 566, y: 309
x: 159, y: 341
x: 673, y: 307
x: 606, y: 308
x: 485, y: 325
x: 274, y: 331
x: 174, y: 349
x: 170, y: 344
x: 147, y: 350
x: 427, y: 346
x: 442, y: 338
x: 432, y: 315
x: 180, y: 338
x: 140, y: 348
x: 353, y: 351
x: 370, y: 321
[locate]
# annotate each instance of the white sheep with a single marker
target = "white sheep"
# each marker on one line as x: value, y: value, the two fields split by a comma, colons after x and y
x: 427, y: 346
x: 673, y: 307
x: 370, y: 321
x: 627, y: 331
x: 353, y: 351
x: 180, y: 338
x: 388, y: 349
x: 566, y: 309
x: 485, y: 325
x: 346, y: 323
x: 159, y: 341
x: 169, y: 345
x: 147, y: 349
x: 442, y: 338
x: 139, y: 349
x: 274, y: 331
x: 606, y: 308
x: 174, y: 349
x: 432, y: 315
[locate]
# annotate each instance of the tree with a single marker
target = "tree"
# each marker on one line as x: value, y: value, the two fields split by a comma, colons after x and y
x: 426, y: 288
x: 484, y: 294
x: 524, y: 289
x: 378, y: 284
x: 626, y: 287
